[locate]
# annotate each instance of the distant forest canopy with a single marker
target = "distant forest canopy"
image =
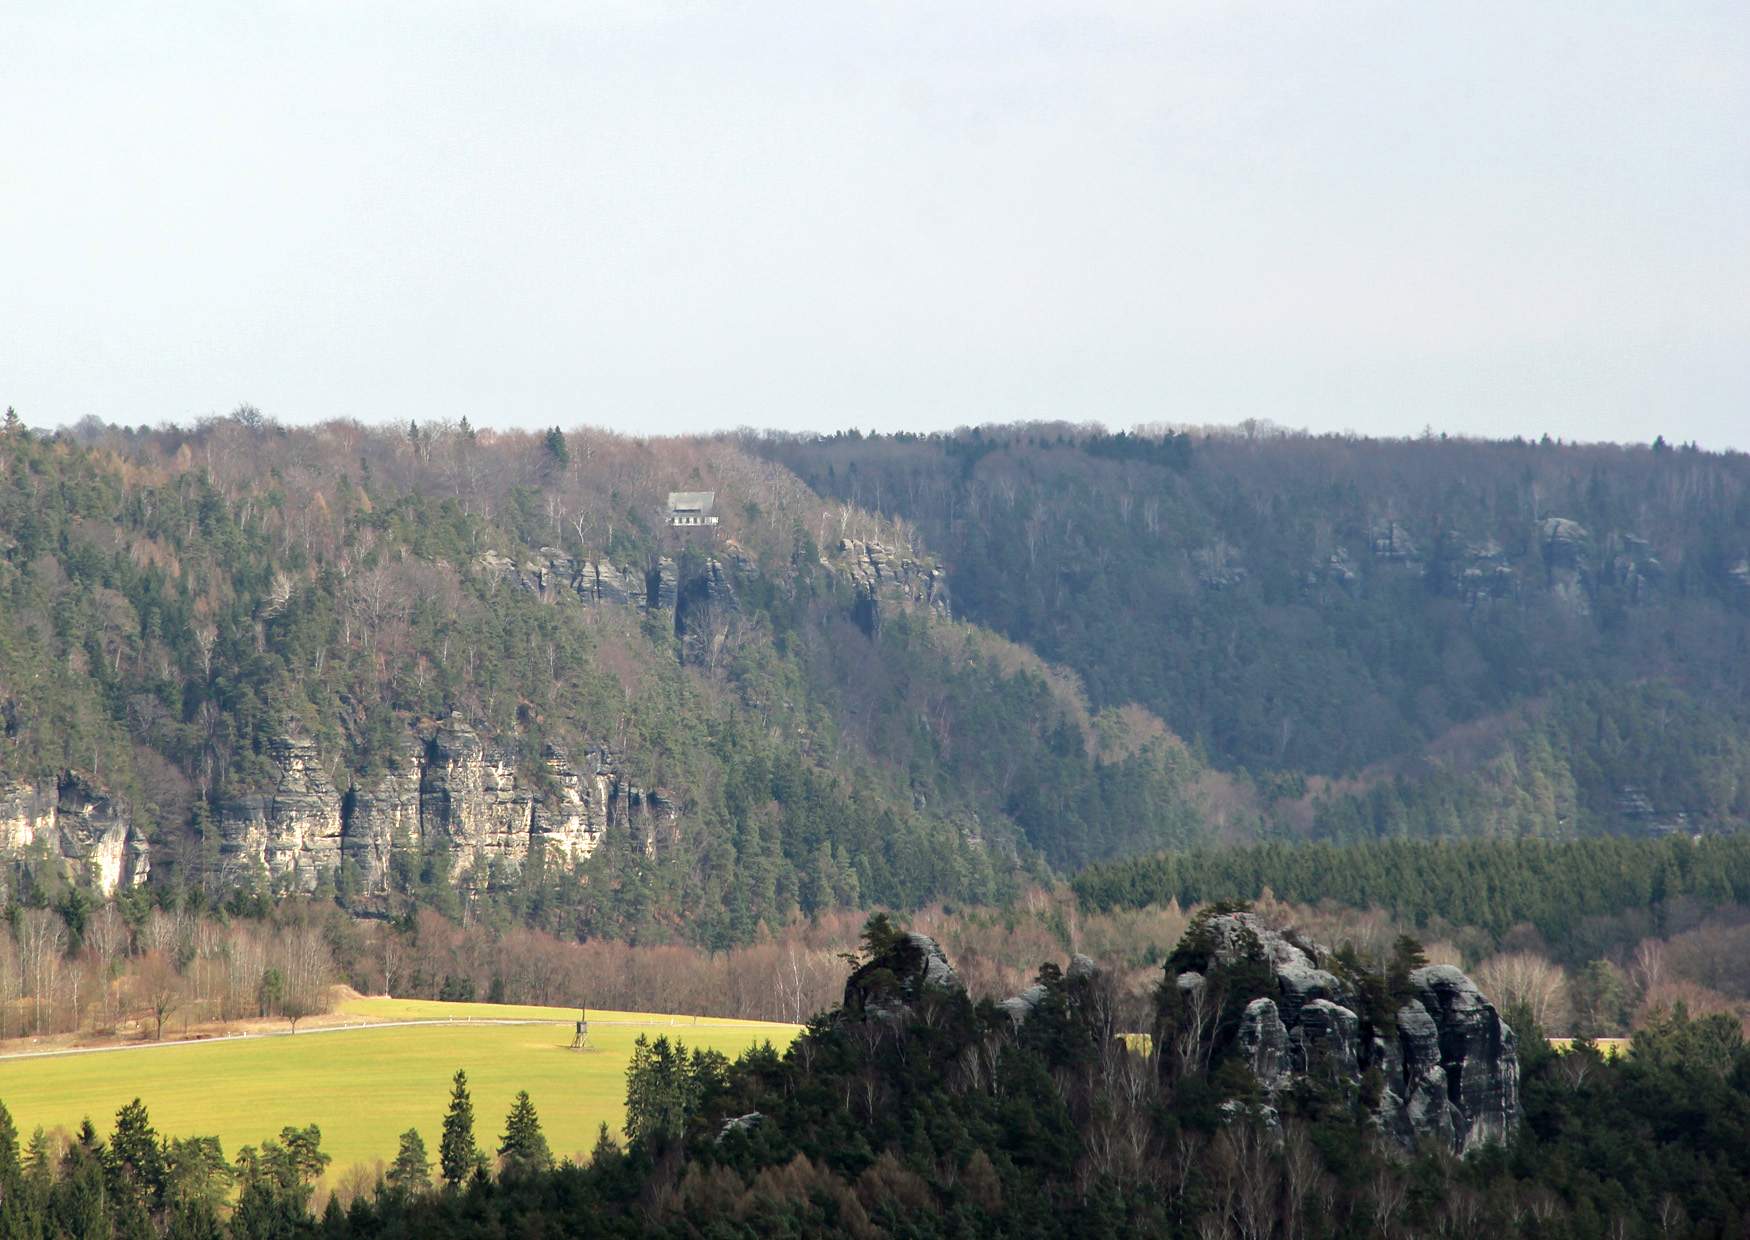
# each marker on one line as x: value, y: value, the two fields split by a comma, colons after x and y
x: 1421, y: 636
x: 239, y: 627
x: 903, y: 670
x: 1586, y: 898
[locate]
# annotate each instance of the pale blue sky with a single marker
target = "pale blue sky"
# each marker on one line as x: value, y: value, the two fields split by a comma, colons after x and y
x: 1493, y: 218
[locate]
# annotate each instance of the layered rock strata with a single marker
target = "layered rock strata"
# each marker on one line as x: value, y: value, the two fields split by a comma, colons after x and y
x: 885, y: 576
x: 69, y: 824
x: 457, y: 795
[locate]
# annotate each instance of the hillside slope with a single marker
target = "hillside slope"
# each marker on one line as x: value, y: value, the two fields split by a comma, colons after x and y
x: 1378, y: 636
x: 448, y: 666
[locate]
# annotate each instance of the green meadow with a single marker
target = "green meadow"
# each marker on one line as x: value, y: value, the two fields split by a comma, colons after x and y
x: 365, y: 1086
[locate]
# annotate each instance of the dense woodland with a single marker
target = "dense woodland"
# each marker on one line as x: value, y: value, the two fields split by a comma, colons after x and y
x: 1492, y: 696
x: 1161, y: 640
x: 178, y: 599
x: 948, y: 1120
x: 1379, y: 637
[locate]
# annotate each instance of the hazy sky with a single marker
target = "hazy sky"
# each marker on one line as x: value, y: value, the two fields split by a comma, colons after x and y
x: 1492, y: 218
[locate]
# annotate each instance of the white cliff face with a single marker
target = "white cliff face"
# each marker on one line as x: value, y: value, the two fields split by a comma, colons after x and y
x: 381, y: 816
x: 22, y: 807
x: 470, y: 801
x: 292, y: 830
x: 570, y: 824
x: 473, y: 802
x: 67, y: 822
x: 455, y: 793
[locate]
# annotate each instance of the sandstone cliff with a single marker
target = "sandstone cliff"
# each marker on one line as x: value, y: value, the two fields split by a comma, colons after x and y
x: 472, y: 800
x: 75, y: 827
x: 1447, y: 1064
x: 291, y: 829
x: 884, y: 580
x: 455, y: 793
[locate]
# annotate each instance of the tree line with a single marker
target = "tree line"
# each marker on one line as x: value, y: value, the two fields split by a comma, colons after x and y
x: 941, y: 1117
x: 130, y: 965
x: 140, y: 1183
x: 1569, y: 891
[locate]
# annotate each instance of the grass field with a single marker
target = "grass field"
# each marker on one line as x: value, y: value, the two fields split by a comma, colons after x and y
x: 1610, y: 1048
x: 366, y: 1086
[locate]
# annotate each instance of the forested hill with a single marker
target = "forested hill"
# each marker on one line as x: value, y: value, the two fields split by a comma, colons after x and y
x: 432, y: 664
x: 424, y: 663
x: 1429, y: 636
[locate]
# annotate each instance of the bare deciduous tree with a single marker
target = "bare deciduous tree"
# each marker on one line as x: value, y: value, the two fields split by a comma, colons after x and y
x: 42, y: 939
x: 159, y: 988
x: 1523, y: 978
x: 306, y: 968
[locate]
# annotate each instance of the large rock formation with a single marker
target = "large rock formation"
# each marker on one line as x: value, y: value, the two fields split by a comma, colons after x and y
x: 381, y: 815
x: 662, y: 585
x: 484, y: 808
x: 290, y: 829
x: 470, y: 804
x: 1391, y: 543
x: 476, y: 803
x: 887, y: 578
x: 1448, y: 1063
x: 1567, y: 561
x: 908, y: 970
x: 1019, y: 1008
x: 554, y: 575
x: 71, y: 825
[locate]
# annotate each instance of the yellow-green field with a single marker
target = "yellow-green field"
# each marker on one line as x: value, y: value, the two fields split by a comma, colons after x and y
x: 366, y: 1086
x: 1610, y: 1048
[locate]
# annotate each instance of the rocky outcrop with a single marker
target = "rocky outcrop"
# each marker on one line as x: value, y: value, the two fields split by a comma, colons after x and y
x: 557, y: 576
x: 1336, y: 569
x: 613, y: 586
x: 470, y: 804
x: 1567, y: 559
x: 70, y: 824
x: 1020, y: 1008
x: 885, y: 577
x: 1480, y: 573
x: 1448, y: 1063
x: 1391, y: 543
x: 739, y: 1123
x: 95, y: 833
x: 569, y: 824
x: 1262, y: 1039
x: 907, y: 971
x: 663, y: 585
x: 1478, y: 1054
x: 1218, y: 566
x: 476, y: 803
x: 292, y: 828
x: 1633, y: 568
x: 382, y: 815
x: 704, y: 613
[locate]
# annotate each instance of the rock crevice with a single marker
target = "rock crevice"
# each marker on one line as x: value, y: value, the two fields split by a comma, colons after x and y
x: 1448, y: 1063
x: 463, y: 797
